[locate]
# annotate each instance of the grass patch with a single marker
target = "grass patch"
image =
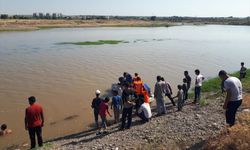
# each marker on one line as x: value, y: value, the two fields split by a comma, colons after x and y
x: 100, y: 42
x: 214, y: 84
x: 203, y: 102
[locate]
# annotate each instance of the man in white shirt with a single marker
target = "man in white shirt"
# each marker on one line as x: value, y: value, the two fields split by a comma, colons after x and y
x: 198, y: 83
x: 233, y: 88
x: 144, y: 112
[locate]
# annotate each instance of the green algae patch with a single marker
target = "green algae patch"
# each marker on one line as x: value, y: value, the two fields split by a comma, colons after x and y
x: 100, y: 42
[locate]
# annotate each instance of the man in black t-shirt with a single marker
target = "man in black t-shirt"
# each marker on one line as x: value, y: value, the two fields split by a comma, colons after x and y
x: 188, y: 78
x: 95, y: 106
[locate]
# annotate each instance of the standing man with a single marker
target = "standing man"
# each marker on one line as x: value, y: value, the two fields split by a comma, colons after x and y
x: 189, y: 79
x: 34, y: 121
x: 159, y: 96
x: 243, y: 71
x: 198, y: 83
x: 95, y: 106
x: 233, y: 88
x: 168, y: 90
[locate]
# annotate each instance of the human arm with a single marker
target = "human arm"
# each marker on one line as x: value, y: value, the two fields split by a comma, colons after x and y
x: 25, y: 121
x: 112, y: 103
x: 108, y: 112
x: 170, y: 89
x: 228, y: 96
x: 92, y: 104
x: 42, y: 117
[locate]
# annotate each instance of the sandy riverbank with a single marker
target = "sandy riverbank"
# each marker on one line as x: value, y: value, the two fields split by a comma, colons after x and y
x: 29, y: 25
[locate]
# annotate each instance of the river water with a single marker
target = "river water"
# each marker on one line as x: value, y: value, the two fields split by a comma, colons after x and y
x: 65, y: 77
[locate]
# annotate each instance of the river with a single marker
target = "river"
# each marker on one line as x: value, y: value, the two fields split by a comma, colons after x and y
x: 65, y: 77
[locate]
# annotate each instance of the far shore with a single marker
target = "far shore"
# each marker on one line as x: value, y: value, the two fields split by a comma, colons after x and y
x: 11, y: 25
x: 31, y: 25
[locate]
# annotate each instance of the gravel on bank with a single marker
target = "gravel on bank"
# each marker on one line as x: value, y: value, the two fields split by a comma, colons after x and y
x: 186, y: 129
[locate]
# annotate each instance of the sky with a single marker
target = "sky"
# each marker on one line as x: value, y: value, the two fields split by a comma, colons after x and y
x: 193, y: 8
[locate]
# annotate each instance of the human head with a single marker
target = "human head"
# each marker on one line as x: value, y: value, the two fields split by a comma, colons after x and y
x: 97, y: 93
x: 124, y: 74
x: 223, y: 75
x: 136, y: 74
x: 179, y: 87
x: 197, y: 71
x: 242, y: 64
x: 185, y: 73
x: 3, y: 127
x: 162, y: 79
x: 106, y: 100
x: 115, y: 92
x: 184, y: 80
x: 158, y: 78
x: 32, y: 100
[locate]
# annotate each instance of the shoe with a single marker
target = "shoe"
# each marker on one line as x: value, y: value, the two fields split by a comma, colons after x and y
x: 121, y: 129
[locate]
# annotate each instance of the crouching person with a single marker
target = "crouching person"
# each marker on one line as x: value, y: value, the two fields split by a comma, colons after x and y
x: 144, y: 112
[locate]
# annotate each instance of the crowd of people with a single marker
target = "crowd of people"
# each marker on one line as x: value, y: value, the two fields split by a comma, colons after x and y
x: 132, y: 95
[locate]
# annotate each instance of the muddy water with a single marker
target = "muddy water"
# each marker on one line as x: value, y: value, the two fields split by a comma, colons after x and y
x: 64, y: 77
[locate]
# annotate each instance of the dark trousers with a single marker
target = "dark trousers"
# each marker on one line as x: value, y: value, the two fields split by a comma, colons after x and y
x: 171, y: 99
x: 197, y: 93
x: 126, y: 115
x: 143, y: 117
x: 232, y: 107
x: 33, y: 132
x: 96, y: 114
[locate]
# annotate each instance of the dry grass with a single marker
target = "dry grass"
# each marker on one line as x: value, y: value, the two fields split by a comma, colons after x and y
x: 236, y: 137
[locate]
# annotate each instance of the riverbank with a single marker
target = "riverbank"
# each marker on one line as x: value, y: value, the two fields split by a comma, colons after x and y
x: 30, y: 25
x: 195, y: 127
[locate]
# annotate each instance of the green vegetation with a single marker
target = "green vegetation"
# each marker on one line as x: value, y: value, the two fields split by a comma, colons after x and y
x: 203, y: 102
x: 214, y: 84
x: 100, y: 42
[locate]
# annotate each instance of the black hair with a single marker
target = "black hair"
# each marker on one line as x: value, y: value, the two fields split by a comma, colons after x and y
x: 162, y: 79
x: 158, y: 78
x: 106, y: 100
x: 186, y: 72
x: 242, y: 63
x: 184, y: 80
x: 32, y: 99
x: 197, y: 71
x: 115, y: 92
x: 3, y: 127
x: 222, y: 73
x: 179, y: 87
x: 136, y: 74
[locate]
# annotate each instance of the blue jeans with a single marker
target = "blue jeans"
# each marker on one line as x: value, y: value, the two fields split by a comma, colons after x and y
x: 197, y: 93
x: 104, y: 122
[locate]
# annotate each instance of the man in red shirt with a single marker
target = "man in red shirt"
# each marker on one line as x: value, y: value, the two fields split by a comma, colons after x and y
x: 34, y: 121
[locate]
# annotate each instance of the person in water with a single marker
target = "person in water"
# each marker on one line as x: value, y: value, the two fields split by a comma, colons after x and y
x: 4, y: 130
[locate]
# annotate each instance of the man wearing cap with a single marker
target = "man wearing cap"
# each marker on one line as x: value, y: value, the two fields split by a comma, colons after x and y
x: 34, y: 121
x: 233, y: 88
x: 95, y: 106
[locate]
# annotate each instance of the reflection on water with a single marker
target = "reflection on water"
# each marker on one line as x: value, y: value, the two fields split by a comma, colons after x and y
x: 64, y: 77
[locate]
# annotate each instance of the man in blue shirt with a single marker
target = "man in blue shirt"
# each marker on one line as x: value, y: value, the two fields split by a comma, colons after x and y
x: 116, y: 105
